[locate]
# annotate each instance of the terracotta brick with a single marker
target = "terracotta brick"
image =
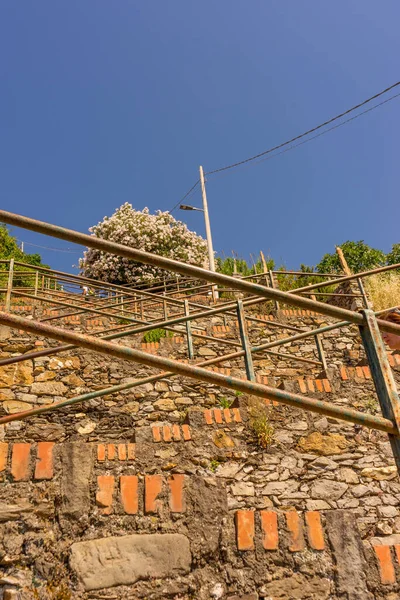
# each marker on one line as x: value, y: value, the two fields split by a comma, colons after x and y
x: 167, y: 433
x: 101, y: 452
x: 20, y: 462
x: 367, y: 372
x: 3, y: 456
x: 105, y: 492
x: 269, y: 525
x: 319, y: 386
x: 176, y: 502
x: 351, y: 372
x: 397, y: 359
x: 44, y: 464
x: 327, y: 385
x: 385, y: 564
x: 302, y: 386
x: 391, y: 360
x: 359, y: 373
x: 217, y: 415
x: 343, y: 373
x: 314, y: 530
x: 245, y: 529
x: 310, y: 385
x: 208, y: 417
x: 236, y: 415
x: 294, y: 525
x: 152, y: 489
x: 121, y: 451
x: 111, y: 453
x: 227, y: 415
x: 176, y: 433
x: 156, y: 433
x: 186, y: 433
x: 397, y: 551
x: 131, y: 451
x: 129, y: 493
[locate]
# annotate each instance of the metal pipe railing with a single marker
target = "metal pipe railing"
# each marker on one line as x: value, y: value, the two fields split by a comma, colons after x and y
x: 196, y: 372
x: 171, y: 265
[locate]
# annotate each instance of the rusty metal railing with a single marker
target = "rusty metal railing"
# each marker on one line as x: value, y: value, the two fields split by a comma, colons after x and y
x: 366, y: 320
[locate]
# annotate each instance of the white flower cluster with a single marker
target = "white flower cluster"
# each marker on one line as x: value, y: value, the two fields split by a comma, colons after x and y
x: 160, y: 234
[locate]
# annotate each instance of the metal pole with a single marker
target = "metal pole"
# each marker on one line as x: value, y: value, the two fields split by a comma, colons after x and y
x: 321, y: 352
x: 9, y: 285
x: 248, y: 359
x: 272, y: 281
x: 208, y: 229
x: 364, y: 295
x: 382, y: 375
x: 36, y: 283
x: 189, y: 332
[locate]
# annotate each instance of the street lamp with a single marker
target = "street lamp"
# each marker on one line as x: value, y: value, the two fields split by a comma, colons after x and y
x: 208, y: 228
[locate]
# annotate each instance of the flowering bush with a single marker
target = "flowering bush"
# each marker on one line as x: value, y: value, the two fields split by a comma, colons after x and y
x: 160, y: 234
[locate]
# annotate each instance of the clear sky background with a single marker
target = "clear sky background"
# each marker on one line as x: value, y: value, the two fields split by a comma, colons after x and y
x: 104, y: 102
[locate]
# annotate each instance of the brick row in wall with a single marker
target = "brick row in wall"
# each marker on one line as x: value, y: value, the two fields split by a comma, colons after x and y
x: 384, y: 558
x: 314, y: 385
x: 121, y: 452
x: 222, y: 415
x: 129, y: 491
x: 18, y: 308
x: 151, y: 347
x: 300, y: 313
x: 245, y: 521
x: 171, y: 433
x: 364, y: 372
x: 20, y: 459
x: 221, y: 329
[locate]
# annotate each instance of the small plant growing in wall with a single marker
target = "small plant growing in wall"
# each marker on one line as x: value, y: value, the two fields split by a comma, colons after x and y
x: 214, y: 464
x: 155, y: 335
x: 371, y: 404
x: 224, y: 402
x: 259, y: 421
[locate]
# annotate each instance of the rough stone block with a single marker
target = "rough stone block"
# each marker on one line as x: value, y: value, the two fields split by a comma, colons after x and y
x: 77, y: 468
x: 346, y: 545
x: 112, y: 561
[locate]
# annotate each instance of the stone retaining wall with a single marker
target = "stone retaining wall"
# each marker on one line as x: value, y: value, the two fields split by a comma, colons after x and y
x: 162, y: 491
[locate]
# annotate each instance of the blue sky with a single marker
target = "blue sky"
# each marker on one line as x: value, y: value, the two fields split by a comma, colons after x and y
x: 109, y: 102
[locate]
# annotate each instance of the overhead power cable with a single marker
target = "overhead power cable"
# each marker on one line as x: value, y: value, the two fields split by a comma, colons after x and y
x: 298, y: 137
x: 289, y: 148
x: 185, y: 196
x: 49, y: 248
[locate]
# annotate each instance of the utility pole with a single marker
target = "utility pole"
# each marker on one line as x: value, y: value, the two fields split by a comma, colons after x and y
x: 208, y: 229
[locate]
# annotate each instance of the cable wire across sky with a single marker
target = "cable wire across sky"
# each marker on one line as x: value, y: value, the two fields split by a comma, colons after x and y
x: 297, y: 137
x: 262, y: 156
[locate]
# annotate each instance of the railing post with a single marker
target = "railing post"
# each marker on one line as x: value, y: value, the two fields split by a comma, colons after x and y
x: 165, y: 309
x: 321, y: 352
x: 189, y: 331
x: 9, y: 285
x: 383, y: 377
x: 362, y: 290
x: 271, y: 279
x: 248, y: 359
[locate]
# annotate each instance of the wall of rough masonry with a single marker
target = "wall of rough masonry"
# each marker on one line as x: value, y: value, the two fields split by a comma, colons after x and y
x: 162, y: 491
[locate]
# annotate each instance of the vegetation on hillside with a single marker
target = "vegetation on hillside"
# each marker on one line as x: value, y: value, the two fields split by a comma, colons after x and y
x: 9, y: 249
